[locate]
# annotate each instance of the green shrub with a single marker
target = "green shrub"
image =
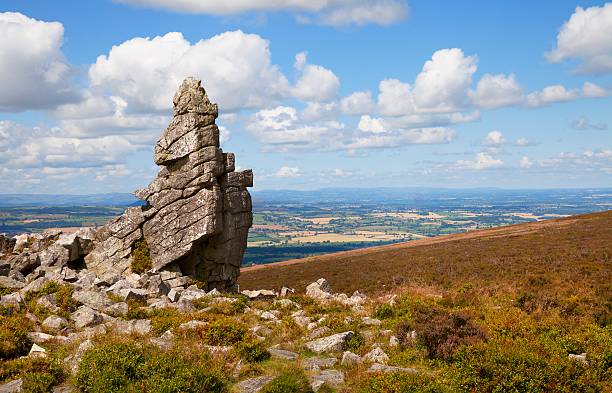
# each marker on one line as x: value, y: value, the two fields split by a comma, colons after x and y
x: 355, y: 342
x: 224, y: 332
x: 39, y: 374
x: 4, y: 290
x: 290, y: 381
x: 383, y: 311
x: 63, y: 297
x: 141, y: 258
x: 14, y: 339
x: 403, y: 383
x: 516, y: 366
x: 253, y: 351
x: 162, y: 319
x: 127, y: 367
x: 47, y: 289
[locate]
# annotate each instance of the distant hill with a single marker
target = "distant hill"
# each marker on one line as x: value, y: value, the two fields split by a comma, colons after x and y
x: 562, y: 255
x: 111, y: 199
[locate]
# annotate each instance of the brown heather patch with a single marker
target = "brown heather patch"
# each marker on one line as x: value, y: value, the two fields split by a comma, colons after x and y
x: 562, y: 263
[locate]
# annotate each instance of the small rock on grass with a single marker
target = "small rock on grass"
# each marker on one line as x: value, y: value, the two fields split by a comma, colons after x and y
x: 333, y: 343
x: 382, y: 368
x: 253, y: 385
x: 282, y: 354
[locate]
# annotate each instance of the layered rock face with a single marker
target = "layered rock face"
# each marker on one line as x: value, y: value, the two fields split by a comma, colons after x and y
x: 198, y: 210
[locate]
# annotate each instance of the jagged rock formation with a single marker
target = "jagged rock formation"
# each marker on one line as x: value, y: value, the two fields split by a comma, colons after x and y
x: 198, y: 210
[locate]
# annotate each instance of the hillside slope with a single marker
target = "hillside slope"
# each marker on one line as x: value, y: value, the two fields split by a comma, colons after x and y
x: 568, y: 254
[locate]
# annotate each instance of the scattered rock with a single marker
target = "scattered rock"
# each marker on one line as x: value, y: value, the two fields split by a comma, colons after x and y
x: 10, y: 283
x: 262, y: 294
x: 165, y: 341
x: 334, y: 343
x: 382, y: 368
x: 333, y: 378
x: 371, y: 321
x: 376, y: 355
x: 86, y: 316
x: 54, y: 322
x: 282, y: 354
x: 318, y: 332
x: 349, y: 358
x: 37, y: 351
x: 320, y: 289
x: 12, y: 387
x: 318, y: 363
x: 253, y: 385
x: 40, y: 337
x: 582, y: 358
x: 74, y: 360
x: 192, y: 325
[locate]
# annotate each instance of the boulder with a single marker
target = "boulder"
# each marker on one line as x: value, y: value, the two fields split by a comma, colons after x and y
x: 318, y: 363
x: 333, y: 343
x: 349, y: 358
x: 86, y: 316
x: 282, y: 354
x: 196, y: 213
x: 54, y: 322
x: 15, y: 386
x: 333, y: 378
x: 253, y: 385
x: 382, y: 368
x: 376, y: 355
x: 320, y: 289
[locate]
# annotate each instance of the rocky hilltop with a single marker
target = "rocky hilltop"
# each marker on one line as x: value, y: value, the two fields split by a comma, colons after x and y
x: 193, y: 224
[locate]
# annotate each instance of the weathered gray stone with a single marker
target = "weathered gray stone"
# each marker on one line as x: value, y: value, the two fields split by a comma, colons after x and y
x: 37, y: 351
x: 134, y: 326
x: 382, y: 368
x: 349, y: 358
x: 582, y: 358
x: 134, y: 295
x: 282, y: 354
x: 253, y: 385
x: 333, y: 378
x: 12, y: 386
x: 333, y: 343
x: 320, y: 289
x: 86, y: 316
x: 318, y: 363
x: 54, y: 322
x: 198, y: 210
x: 40, y: 337
x: 261, y: 294
x: 10, y: 283
x: 376, y: 355
x: 94, y: 299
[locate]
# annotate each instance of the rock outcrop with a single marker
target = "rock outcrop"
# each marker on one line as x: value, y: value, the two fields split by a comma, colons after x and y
x: 197, y: 210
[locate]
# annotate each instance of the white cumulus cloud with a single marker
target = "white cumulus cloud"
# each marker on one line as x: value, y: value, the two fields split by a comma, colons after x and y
x: 494, y: 91
x: 494, y: 138
x: 586, y: 38
x: 481, y: 161
x: 316, y: 83
x: 525, y: 162
x: 236, y: 69
x: 287, y: 171
x: 33, y: 71
x: 329, y: 12
x: 357, y: 103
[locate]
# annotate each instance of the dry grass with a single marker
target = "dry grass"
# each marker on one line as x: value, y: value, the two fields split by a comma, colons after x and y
x: 568, y: 258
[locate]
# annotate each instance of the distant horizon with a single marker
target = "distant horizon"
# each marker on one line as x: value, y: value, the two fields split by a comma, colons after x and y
x: 338, y: 93
x: 255, y: 191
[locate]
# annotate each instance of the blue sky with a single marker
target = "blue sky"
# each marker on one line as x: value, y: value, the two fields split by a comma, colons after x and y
x: 313, y: 93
